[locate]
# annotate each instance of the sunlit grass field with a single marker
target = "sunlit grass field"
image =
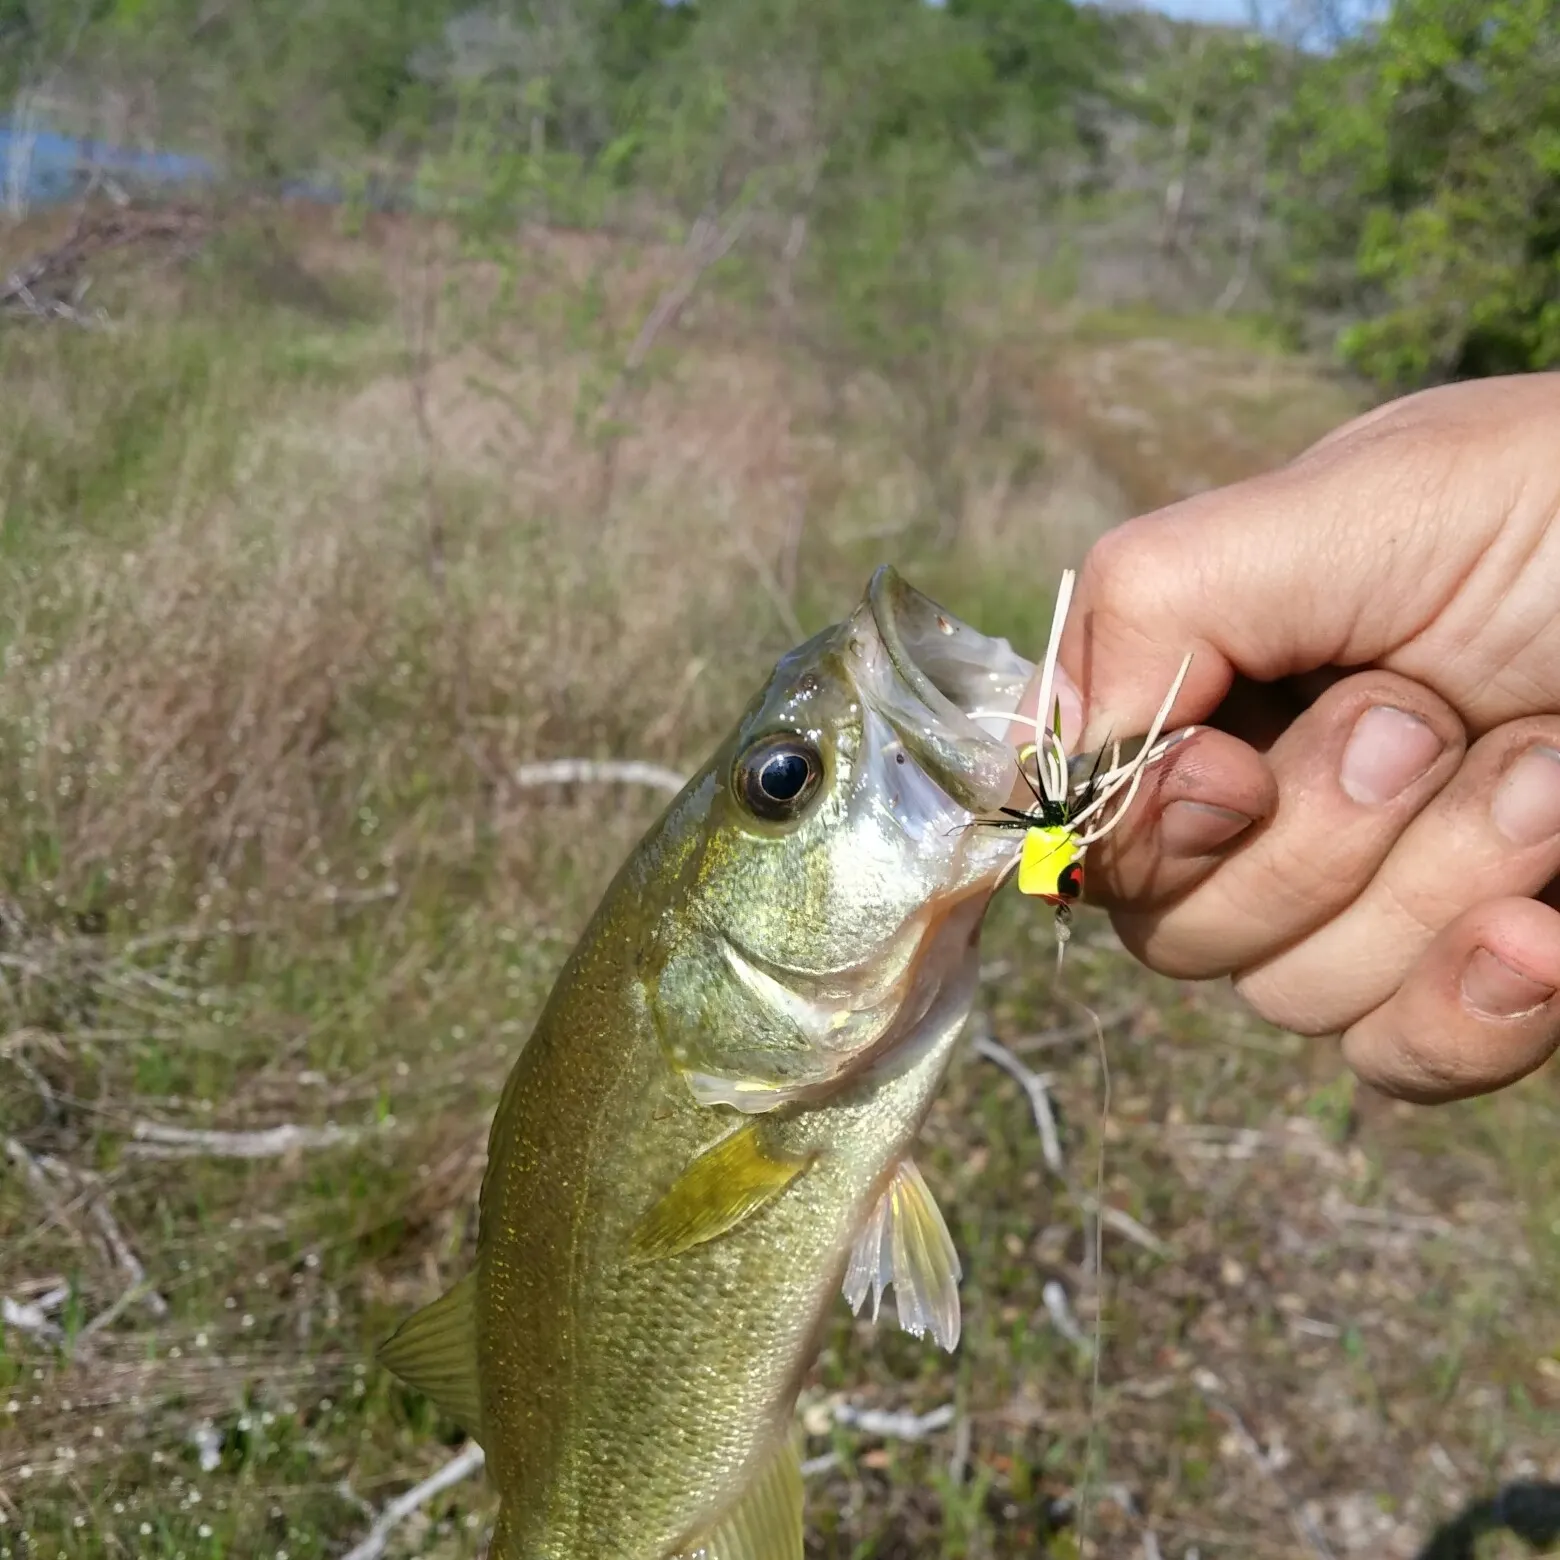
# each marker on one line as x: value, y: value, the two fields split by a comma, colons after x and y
x: 302, y: 556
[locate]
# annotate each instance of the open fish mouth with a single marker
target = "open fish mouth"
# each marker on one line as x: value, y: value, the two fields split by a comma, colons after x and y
x: 945, y: 670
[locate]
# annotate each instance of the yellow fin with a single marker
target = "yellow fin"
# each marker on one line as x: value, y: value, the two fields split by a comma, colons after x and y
x: 766, y: 1524
x: 435, y: 1350
x: 906, y: 1243
x: 721, y: 1188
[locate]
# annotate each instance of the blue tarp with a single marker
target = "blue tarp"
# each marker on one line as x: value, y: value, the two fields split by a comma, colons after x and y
x: 57, y: 167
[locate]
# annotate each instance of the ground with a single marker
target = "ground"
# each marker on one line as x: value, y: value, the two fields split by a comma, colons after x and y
x: 331, y: 531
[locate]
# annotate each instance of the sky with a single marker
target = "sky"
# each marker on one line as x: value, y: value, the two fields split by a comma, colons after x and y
x: 1204, y: 10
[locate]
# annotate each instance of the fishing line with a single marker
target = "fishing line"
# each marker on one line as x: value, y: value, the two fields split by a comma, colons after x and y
x: 1085, y: 1505
x: 1068, y: 817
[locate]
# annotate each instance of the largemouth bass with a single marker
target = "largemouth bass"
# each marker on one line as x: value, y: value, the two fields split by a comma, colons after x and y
x: 709, y: 1133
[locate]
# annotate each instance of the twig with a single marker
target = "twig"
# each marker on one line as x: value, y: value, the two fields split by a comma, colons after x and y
x: 708, y: 244
x: 418, y: 364
x: 39, y: 1177
x: 129, y: 1263
x: 1062, y: 1319
x: 111, y: 1314
x: 1342, y: 1213
x: 453, y: 1472
x: 598, y: 771
x: 154, y: 1141
x: 1124, y: 1224
x: 959, y: 1460
x: 771, y: 586
x: 30, y: 1317
x: 894, y: 1425
x: 1304, y: 1528
x: 1036, y: 1086
x: 31, y: 1169
x: 1068, y: 1034
x: 714, y: 245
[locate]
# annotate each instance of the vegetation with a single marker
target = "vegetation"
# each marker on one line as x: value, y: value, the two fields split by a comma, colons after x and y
x: 318, y: 522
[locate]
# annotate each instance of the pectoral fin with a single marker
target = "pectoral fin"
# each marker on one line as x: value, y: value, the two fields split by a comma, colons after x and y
x: 723, y: 1186
x: 766, y: 1524
x: 906, y: 1243
x: 435, y: 1350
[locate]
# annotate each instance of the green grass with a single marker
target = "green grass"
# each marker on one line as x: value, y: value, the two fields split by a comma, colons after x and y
x: 263, y: 864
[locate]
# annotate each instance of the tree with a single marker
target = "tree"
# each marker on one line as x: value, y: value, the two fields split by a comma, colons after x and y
x: 1423, y: 191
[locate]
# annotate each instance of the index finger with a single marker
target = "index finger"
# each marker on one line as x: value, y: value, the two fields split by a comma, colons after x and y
x: 1339, y: 559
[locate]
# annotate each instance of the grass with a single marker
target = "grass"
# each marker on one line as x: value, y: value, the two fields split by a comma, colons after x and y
x: 277, y: 632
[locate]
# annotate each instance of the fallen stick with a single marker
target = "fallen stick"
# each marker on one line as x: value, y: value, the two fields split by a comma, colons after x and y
x: 1304, y: 1528
x: 894, y: 1425
x: 453, y: 1472
x: 32, y: 1316
x: 598, y: 771
x: 1036, y: 1086
x: 129, y: 1263
x: 1124, y: 1224
x: 1062, y: 1319
x: 150, y: 1140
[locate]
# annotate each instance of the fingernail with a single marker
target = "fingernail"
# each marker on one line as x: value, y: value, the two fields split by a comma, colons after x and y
x: 1490, y: 986
x: 1526, y: 808
x: 1191, y: 829
x: 1388, y: 751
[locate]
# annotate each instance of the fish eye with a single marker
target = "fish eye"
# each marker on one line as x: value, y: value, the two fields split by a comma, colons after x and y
x: 1069, y: 881
x: 776, y: 778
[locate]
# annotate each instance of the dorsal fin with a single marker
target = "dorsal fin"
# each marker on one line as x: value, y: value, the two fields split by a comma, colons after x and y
x: 435, y: 1350
x: 766, y: 1524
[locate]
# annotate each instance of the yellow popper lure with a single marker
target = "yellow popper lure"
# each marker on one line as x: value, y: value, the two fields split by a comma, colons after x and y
x: 1074, y: 806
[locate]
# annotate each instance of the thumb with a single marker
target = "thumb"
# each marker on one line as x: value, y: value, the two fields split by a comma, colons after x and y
x: 1338, y: 559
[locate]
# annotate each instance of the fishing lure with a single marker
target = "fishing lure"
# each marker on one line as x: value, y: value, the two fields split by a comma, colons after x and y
x: 1070, y: 814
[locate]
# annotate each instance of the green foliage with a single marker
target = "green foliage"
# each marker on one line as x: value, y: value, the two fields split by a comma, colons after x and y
x: 1424, y: 191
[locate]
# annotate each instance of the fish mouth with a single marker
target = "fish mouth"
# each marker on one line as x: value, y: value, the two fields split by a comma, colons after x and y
x: 945, y: 671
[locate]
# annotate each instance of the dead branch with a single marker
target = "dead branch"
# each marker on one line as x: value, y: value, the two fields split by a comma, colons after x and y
x: 770, y: 584
x: 1062, y: 1319
x: 1124, y: 1224
x: 52, y: 284
x: 46, y: 1174
x: 709, y: 244
x: 1304, y: 1528
x: 32, y: 1316
x: 458, y: 1468
x: 593, y: 771
x: 151, y: 1140
x: 1037, y: 1087
x: 128, y: 1262
x: 1070, y: 1034
x: 894, y: 1425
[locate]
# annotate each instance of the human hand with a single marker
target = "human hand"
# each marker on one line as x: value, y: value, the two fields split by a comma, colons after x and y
x: 1369, y: 839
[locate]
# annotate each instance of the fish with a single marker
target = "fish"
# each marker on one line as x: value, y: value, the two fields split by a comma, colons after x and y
x: 709, y: 1135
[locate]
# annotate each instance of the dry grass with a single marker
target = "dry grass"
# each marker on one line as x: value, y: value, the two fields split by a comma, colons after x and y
x: 288, y: 592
